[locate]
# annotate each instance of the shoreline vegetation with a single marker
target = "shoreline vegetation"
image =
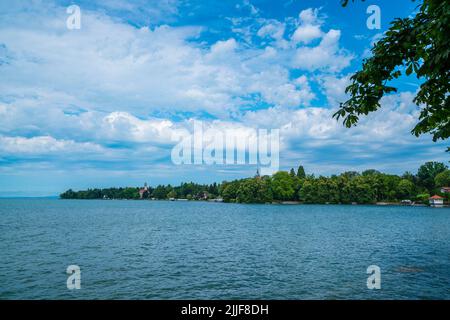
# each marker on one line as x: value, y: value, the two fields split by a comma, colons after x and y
x: 297, y: 187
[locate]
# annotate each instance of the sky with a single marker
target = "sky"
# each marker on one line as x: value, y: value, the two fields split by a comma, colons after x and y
x: 99, y: 106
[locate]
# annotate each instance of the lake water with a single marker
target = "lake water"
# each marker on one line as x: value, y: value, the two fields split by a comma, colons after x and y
x: 198, y: 250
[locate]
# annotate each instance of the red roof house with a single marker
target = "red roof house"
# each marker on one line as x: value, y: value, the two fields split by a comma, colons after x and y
x: 436, y: 201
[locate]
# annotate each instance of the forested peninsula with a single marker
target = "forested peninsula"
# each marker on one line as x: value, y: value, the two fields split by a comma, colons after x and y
x: 367, y: 187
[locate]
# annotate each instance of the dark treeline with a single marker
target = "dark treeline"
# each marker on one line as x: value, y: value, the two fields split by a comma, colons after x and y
x: 370, y: 186
x: 190, y: 191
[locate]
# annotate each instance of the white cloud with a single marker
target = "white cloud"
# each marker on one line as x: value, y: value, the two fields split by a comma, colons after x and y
x: 334, y: 89
x: 275, y: 88
x: 306, y: 33
x: 327, y: 56
x: 46, y: 145
x: 122, y: 126
x: 310, y: 27
x: 221, y: 47
x: 309, y: 16
x: 273, y: 29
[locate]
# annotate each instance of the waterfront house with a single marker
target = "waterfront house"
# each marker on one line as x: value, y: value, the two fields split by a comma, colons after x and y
x: 445, y: 189
x: 436, y: 201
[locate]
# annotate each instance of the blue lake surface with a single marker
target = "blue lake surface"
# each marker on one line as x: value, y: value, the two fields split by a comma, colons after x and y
x: 198, y: 250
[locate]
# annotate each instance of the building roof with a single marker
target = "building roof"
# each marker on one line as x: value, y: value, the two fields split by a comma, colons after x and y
x: 436, y: 197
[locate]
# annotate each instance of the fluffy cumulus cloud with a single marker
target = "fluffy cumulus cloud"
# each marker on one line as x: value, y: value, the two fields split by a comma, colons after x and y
x: 309, y: 28
x: 326, y: 56
x: 112, y: 95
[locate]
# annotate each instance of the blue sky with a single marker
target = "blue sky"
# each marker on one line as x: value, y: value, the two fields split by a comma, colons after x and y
x: 98, y: 106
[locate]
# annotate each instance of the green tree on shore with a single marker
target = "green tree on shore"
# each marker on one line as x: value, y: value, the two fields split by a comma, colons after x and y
x: 427, y: 174
x: 405, y: 189
x: 282, y: 186
x: 442, y: 179
x: 254, y: 190
x: 301, y: 172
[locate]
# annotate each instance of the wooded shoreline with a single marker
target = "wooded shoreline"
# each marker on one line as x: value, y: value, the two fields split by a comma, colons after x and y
x: 367, y: 187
